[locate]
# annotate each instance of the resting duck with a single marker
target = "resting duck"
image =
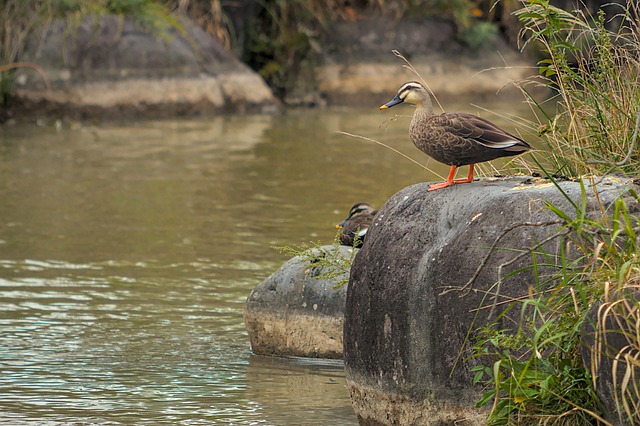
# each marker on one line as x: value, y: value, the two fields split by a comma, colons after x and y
x: 354, y: 228
x: 454, y: 138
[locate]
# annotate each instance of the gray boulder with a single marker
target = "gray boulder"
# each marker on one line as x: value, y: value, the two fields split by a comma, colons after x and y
x: 109, y: 66
x: 431, y: 260
x: 294, y: 312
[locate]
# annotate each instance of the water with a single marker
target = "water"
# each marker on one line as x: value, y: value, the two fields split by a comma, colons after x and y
x: 127, y: 251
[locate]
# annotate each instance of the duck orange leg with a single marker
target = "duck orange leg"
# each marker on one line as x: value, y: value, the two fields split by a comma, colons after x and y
x: 469, y: 177
x: 450, y: 179
x: 446, y: 183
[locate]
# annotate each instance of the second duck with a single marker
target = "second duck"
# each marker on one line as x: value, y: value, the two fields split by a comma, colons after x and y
x: 353, y: 230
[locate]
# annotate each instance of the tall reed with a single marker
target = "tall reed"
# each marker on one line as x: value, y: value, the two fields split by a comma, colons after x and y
x: 594, y: 72
x: 538, y: 375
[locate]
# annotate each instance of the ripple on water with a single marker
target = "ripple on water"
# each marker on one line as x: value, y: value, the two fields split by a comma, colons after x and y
x: 110, y: 344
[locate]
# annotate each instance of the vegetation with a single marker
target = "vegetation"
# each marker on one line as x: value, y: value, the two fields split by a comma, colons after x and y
x: 594, y: 73
x: 284, y: 39
x: 23, y: 17
x: 538, y: 376
x: 280, y: 42
x: 325, y: 263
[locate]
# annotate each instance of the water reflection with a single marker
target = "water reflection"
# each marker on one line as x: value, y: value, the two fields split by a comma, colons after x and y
x: 314, y: 391
x: 127, y: 251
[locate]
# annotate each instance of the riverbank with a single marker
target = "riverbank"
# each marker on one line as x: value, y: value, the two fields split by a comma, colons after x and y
x: 109, y: 68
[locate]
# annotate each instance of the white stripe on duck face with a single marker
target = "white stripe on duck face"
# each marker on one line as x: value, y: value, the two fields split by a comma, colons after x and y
x: 408, y: 87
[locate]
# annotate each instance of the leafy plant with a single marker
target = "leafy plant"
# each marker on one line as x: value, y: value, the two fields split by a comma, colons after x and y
x: 538, y: 375
x: 326, y: 263
x: 280, y: 43
x: 595, y: 74
x: 151, y: 15
x: 478, y: 34
x: 6, y: 87
x: 474, y: 31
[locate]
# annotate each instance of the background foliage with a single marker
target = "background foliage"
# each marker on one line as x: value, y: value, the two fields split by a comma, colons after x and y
x: 278, y: 38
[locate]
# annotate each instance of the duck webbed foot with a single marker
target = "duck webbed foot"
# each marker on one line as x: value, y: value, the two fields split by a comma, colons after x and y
x: 450, y: 179
x: 435, y: 186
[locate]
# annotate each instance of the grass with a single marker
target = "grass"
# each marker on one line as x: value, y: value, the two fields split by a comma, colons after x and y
x: 617, y: 349
x: 537, y: 376
x: 22, y: 18
x: 595, y: 76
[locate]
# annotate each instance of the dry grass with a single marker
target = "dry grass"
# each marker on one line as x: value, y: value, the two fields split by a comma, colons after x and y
x: 617, y: 347
x: 595, y: 74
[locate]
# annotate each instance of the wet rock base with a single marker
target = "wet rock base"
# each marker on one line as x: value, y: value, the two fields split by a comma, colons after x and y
x: 295, y: 312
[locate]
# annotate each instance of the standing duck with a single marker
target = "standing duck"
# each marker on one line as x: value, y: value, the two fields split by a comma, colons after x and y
x: 354, y: 228
x: 454, y: 138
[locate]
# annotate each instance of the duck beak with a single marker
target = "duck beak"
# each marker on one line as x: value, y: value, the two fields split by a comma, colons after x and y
x: 341, y: 224
x: 395, y: 101
x: 338, y: 226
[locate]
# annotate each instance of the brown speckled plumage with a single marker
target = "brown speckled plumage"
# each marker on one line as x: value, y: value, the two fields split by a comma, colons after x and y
x: 354, y: 228
x: 454, y: 138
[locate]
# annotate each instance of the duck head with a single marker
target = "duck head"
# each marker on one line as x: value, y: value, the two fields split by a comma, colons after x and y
x: 358, y: 209
x: 412, y: 92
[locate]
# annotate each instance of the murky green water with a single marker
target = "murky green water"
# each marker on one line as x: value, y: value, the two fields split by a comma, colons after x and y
x: 127, y: 251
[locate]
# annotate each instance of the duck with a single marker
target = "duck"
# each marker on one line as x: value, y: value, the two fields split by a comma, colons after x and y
x: 353, y: 229
x: 454, y: 138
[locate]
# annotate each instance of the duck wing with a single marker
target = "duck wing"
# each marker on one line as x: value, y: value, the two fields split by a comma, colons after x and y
x: 355, y: 230
x: 482, y: 131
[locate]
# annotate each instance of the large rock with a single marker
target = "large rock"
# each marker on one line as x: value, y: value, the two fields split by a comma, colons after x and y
x: 296, y: 312
x: 109, y: 66
x: 407, y: 339
x: 611, y: 352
